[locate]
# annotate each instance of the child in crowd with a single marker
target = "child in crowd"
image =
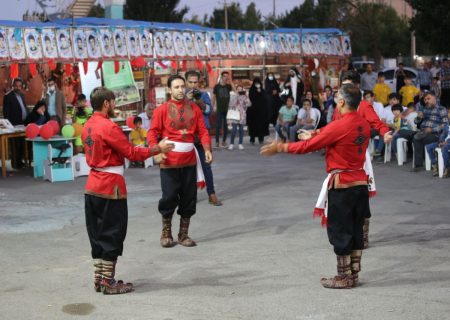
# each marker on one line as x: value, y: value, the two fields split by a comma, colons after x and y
x: 381, y: 90
x: 435, y: 88
x: 138, y: 137
x: 286, y: 118
x: 239, y: 102
x: 408, y: 91
x: 444, y: 144
x: 81, y: 114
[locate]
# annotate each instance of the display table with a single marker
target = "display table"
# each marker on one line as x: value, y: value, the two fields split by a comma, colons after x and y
x: 41, y: 153
x: 4, y: 147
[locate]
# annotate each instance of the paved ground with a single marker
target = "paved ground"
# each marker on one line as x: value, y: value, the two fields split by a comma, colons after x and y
x: 260, y: 256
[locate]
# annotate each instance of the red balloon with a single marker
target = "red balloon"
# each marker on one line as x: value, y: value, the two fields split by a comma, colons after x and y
x: 46, y: 131
x: 55, y: 126
x: 31, y: 131
x: 130, y: 123
x: 138, y: 62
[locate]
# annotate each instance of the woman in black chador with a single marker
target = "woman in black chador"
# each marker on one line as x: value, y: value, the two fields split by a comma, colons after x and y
x: 257, y: 114
x: 274, y: 103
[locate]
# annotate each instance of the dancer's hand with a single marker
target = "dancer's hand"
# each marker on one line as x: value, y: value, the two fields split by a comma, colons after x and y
x: 388, y: 137
x: 159, y: 158
x: 208, y: 157
x: 304, y: 134
x: 272, y: 148
x: 165, y: 147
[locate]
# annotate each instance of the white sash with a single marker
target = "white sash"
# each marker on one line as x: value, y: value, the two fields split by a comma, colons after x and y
x: 116, y: 170
x: 188, y: 147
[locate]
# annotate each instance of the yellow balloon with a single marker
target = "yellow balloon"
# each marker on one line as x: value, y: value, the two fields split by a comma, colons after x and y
x: 78, y: 129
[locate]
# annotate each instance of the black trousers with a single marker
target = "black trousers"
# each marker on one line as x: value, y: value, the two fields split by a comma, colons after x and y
x: 106, y: 223
x: 420, y: 141
x: 346, y: 211
x: 445, y: 98
x: 179, y: 189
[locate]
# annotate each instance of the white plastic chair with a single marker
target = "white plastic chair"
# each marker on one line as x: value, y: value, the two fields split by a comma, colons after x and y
x: 427, y: 160
x: 80, y: 167
x: 402, y: 151
x: 318, y: 115
x: 387, y: 152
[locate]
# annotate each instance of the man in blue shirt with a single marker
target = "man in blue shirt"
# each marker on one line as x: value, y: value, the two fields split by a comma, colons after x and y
x: 56, y: 102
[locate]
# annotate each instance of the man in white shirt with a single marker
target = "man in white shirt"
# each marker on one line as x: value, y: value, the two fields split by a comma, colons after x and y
x: 146, y: 116
x: 306, y: 119
x: 377, y: 106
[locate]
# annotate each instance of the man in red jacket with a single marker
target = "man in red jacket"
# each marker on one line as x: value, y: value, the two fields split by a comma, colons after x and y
x: 180, y: 120
x: 346, y: 141
x: 106, y: 210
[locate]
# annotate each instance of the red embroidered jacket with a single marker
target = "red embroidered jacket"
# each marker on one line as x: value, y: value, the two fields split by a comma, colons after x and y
x: 178, y: 121
x: 366, y: 111
x: 346, y: 141
x: 106, y: 145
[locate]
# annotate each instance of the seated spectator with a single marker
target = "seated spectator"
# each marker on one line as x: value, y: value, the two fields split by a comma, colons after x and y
x: 39, y: 115
x: 286, y: 118
x: 146, y: 116
x: 408, y: 91
x: 444, y: 144
x: 432, y: 121
x: 81, y: 114
x: 377, y: 106
x: 306, y: 119
x: 406, y: 132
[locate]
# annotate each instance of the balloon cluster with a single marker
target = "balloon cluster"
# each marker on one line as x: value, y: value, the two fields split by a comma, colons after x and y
x: 52, y: 128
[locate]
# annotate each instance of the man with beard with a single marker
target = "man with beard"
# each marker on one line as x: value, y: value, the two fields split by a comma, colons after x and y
x: 106, y: 148
x: 179, y: 120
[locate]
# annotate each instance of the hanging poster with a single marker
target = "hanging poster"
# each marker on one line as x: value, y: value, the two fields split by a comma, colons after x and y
x: 106, y: 43
x: 260, y: 45
x: 93, y: 46
x: 312, y: 44
x: 212, y: 44
x: 200, y: 44
x: 305, y: 49
x: 250, y: 43
x: 223, y: 44
x: 338, y: 46
x: 64, y: 44
x: 242, y: 43
x: 146, y: 42
x: 269, y: 44
x: 49, y: 46
x: 15, y: 44
x: 133, y: 43
x: 277, y: 43
x: 233, y: 44
x: 295, y: 44
x: 284, y: 44
x: 332, y: 48
x: 180, y: 50
x: 189, y: 44
x: 159, y: 45
x: 33, y: 44
x: 168, y: 44
x: 4, y: 53
x: 121, y: 83
x: 120, y: 43
x: 347, y: 47
x: 80, y: 47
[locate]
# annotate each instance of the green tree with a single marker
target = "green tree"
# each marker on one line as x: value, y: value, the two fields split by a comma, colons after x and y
x: 303, y: 14
x: 235, y: 17
x: 97, y: 11
x: 155, y: 10
x: 252, y: 18
x: 431, y: 24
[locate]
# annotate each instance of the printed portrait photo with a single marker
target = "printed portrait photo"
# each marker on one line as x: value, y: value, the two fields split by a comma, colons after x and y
x: 250, y: 43
x: 223, y: 44
x: 49, y: 47
x: 146, y: 43
x: 242, y: 44
x: 159, y: 45
x: 212, y: 44
x: 120, y: 45
x: 4, y: 53
x: 168, y: 44
x: 200, y: 45
x: 189, y: 44
x: 93, y: 47
x: 64, y: 43
x: 180, y: 50
x: 80, y: 47
x: 107, y: 43
x: 15, y: 44
x: 133, y: 43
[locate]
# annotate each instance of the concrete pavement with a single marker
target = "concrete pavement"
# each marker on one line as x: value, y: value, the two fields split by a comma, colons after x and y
x: 260, y: 256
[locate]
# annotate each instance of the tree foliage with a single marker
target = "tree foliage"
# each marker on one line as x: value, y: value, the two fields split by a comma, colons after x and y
x: 97, y: 11
x: 154, y: 10
x: 432, y: 23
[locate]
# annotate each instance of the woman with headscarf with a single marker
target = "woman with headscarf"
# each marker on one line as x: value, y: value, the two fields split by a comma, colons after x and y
x: 257, y: 114
x: 294, y: 85
x: 274, y: 103
x: 39, y: 115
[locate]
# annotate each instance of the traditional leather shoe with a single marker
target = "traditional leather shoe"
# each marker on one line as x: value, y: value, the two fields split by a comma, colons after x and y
x: 166, y: 240
x: 434, y: 170
x: 109, y: 285
x: 214, y: 200
x: 183, y: 237
x: 344, y: 278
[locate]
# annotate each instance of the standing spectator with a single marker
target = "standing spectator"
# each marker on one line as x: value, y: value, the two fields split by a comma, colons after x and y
x: 306, y: 119
x: 274, y: 103
x: 408, y: 91
x: 15, y: 110
x: 56, y: 102
x: 221, y: 100
x: 444, y: 144
x: 146, y: 116
x: 332, y: 108
x: 444, y: 76
x: 257, y: 113
x: 424, y: 78
x: 399, y: 77
x: 81, y: 116
x: 435, y: 88
x: 39, y: 114
x: 286, y: 119
x: 381, y: 90
x: 435, y: 69
x: 294, y: 85
x: 239, y: 102
x: 432, y: 120
x: 368, y: 78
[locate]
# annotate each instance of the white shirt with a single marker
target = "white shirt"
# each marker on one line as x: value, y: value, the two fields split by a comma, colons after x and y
x: 410, y: 120
x: 302, y: 115
x: 379, y: 109
x: 388, y: 116
x: 145, y: 120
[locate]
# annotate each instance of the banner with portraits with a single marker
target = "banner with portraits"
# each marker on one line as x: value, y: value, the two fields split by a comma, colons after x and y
x: 94, y: 43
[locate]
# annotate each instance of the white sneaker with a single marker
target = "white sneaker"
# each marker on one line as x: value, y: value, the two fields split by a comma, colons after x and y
x: 241, y: 147
x: 231, y: 147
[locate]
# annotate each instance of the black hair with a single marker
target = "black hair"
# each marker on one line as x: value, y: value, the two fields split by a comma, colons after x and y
x: 397, y: 107
x: 137, y: 120
x: 348, y: 75
x: 290, y: 97
x: 47, y: 38
x: 51, y: 79
x: 224, y: 72
x: 411, y: 105
x: 192, y: 73
x: 174, y: 77
x: 307, y: 100
x: 91, y: 37
x: 351, y: 94
x: 393, y: 95
x: 18, y: 80
x: 105, y: 37
x: 132, y: 39
x: 62, y: 35
x: 39, y: 104
x: 366, y: 92
x: 381, y: 74
x: 81, y: 97
x: 117, y: 36
x: 2, y: 36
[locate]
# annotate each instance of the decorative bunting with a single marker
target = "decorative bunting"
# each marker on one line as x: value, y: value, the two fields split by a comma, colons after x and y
x: 184, y: 65
x: 174, y: 64
x: 52, y: 64
x: 85, y: 66
x: 33, y: 69
x: 99, y: 65
x: 14, y: 70
x: 199, y: 65
x: 116, y: 66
